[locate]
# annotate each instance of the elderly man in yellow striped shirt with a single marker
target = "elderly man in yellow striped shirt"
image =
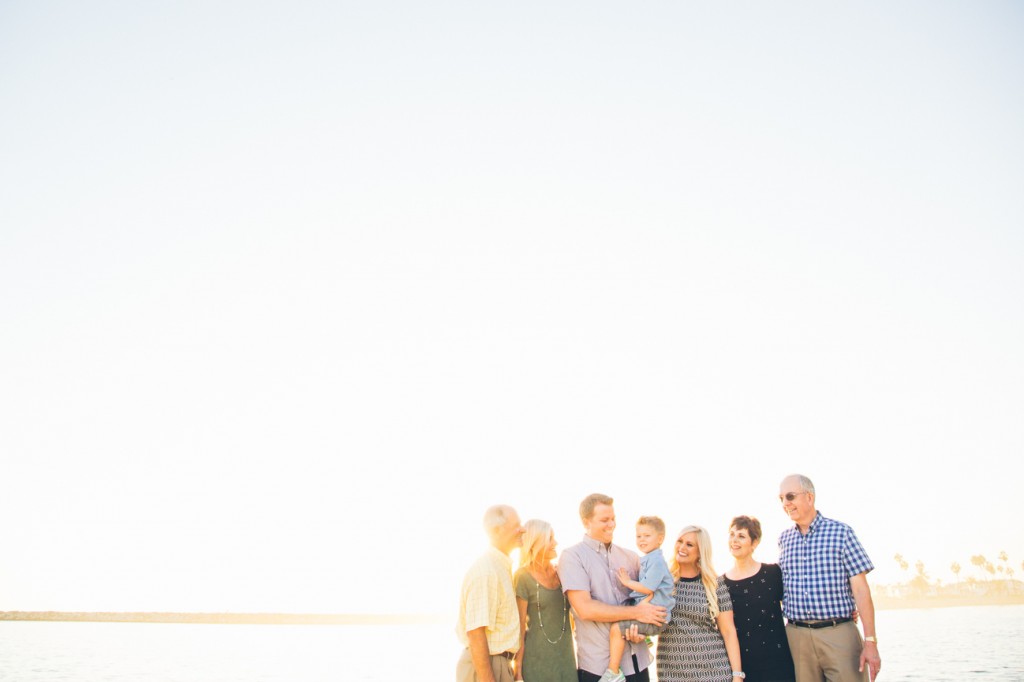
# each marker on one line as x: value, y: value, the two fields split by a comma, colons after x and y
x: 488, y: 623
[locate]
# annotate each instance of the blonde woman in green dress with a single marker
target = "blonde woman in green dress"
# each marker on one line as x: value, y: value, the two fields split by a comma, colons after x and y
x: 546, y: 652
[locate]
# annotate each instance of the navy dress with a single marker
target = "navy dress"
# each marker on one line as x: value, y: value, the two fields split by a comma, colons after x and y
x: 757, y: 612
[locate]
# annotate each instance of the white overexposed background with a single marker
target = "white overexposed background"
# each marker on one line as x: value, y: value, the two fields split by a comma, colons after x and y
x: 291, y: 292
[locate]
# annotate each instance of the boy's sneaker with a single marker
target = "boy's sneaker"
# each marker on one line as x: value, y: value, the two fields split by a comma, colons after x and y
x: 609, y: 676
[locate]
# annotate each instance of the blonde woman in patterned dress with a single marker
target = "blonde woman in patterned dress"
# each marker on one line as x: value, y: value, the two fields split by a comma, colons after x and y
x: 699, y: 644
x: 545, y: 625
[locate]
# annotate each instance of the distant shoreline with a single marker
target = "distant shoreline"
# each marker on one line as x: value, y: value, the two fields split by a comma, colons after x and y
x: 222, y: 618
x: 882, y: 602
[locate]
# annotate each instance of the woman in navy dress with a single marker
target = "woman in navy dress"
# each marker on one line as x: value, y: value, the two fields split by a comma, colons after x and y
x: 756, y: 592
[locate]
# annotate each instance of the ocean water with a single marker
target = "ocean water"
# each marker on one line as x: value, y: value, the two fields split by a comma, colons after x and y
x: 951, y: 644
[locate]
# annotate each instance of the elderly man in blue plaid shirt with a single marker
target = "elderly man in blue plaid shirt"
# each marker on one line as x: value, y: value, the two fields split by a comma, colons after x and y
x: 824, y: 576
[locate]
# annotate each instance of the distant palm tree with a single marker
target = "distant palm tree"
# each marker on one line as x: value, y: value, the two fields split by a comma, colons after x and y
x: 955, y: 567
x: 920, y: 581
x: 979, y: 561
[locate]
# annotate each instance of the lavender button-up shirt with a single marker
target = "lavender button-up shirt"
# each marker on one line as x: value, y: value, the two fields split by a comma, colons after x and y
x: 592, y: 567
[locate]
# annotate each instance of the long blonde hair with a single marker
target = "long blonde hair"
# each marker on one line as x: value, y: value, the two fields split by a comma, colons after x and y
x: 535, y: 543
x: 708, y: 577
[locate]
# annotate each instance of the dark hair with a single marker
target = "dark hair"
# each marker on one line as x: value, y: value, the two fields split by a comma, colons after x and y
x: 749, y: 524
x: 656, y: 524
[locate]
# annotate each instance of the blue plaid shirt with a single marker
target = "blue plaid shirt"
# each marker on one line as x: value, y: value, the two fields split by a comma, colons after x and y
x: 816, y: 570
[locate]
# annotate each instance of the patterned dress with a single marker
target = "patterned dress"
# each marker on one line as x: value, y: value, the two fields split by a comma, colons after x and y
x: 548, y: 655
x: 691, y: 649
x: 760, y: 628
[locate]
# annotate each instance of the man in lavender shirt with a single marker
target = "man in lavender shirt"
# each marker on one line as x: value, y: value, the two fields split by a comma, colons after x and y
x: 588, y: 572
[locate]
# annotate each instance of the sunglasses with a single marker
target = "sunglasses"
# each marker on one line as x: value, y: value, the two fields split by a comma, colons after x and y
x: 789, y: 497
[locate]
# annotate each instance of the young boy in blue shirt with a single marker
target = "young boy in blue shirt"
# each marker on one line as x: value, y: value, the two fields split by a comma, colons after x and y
x: 656, y: 585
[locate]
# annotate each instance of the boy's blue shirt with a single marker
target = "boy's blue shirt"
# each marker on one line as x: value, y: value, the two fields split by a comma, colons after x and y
x: 655, y: 576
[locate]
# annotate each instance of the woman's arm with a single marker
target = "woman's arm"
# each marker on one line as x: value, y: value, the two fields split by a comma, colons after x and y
x: 521, y: 603
x: 727, y: 626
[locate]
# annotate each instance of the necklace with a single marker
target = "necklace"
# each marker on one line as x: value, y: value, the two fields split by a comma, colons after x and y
x: 540, y: 617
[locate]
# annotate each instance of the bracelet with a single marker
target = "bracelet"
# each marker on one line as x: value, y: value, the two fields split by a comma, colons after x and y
x: 740, y: 675
x: 872, y: 638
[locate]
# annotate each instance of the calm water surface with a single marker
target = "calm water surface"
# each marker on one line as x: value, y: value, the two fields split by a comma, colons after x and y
x: 975, y: 643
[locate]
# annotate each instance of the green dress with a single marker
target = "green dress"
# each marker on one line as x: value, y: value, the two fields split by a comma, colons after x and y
x: 549, y: 654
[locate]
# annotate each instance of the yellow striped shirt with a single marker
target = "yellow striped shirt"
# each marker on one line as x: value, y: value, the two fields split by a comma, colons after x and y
x: 489, y: 601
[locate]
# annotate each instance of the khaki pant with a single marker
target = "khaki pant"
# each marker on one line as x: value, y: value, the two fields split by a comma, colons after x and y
x: 831, y: 653
x: 500, y: 666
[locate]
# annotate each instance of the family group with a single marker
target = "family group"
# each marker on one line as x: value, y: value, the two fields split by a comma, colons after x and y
x: 592, y: 617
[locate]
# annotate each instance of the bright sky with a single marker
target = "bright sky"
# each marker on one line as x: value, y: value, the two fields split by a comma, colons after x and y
x: 291, y: 292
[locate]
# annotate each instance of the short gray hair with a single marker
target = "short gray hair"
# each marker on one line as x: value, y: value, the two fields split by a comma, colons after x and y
x: 805, y: 483
x: 495, y: 517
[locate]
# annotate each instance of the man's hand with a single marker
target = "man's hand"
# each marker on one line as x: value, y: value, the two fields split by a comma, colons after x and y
x: 632, y: 634
x: 869, y: 655
x: 646, y: 612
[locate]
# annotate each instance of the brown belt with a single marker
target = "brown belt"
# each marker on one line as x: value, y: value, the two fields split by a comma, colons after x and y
x: 510, y: 655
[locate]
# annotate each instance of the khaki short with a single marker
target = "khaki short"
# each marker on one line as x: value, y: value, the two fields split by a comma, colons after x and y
x: 831, y: 653
x: 500, y: 666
